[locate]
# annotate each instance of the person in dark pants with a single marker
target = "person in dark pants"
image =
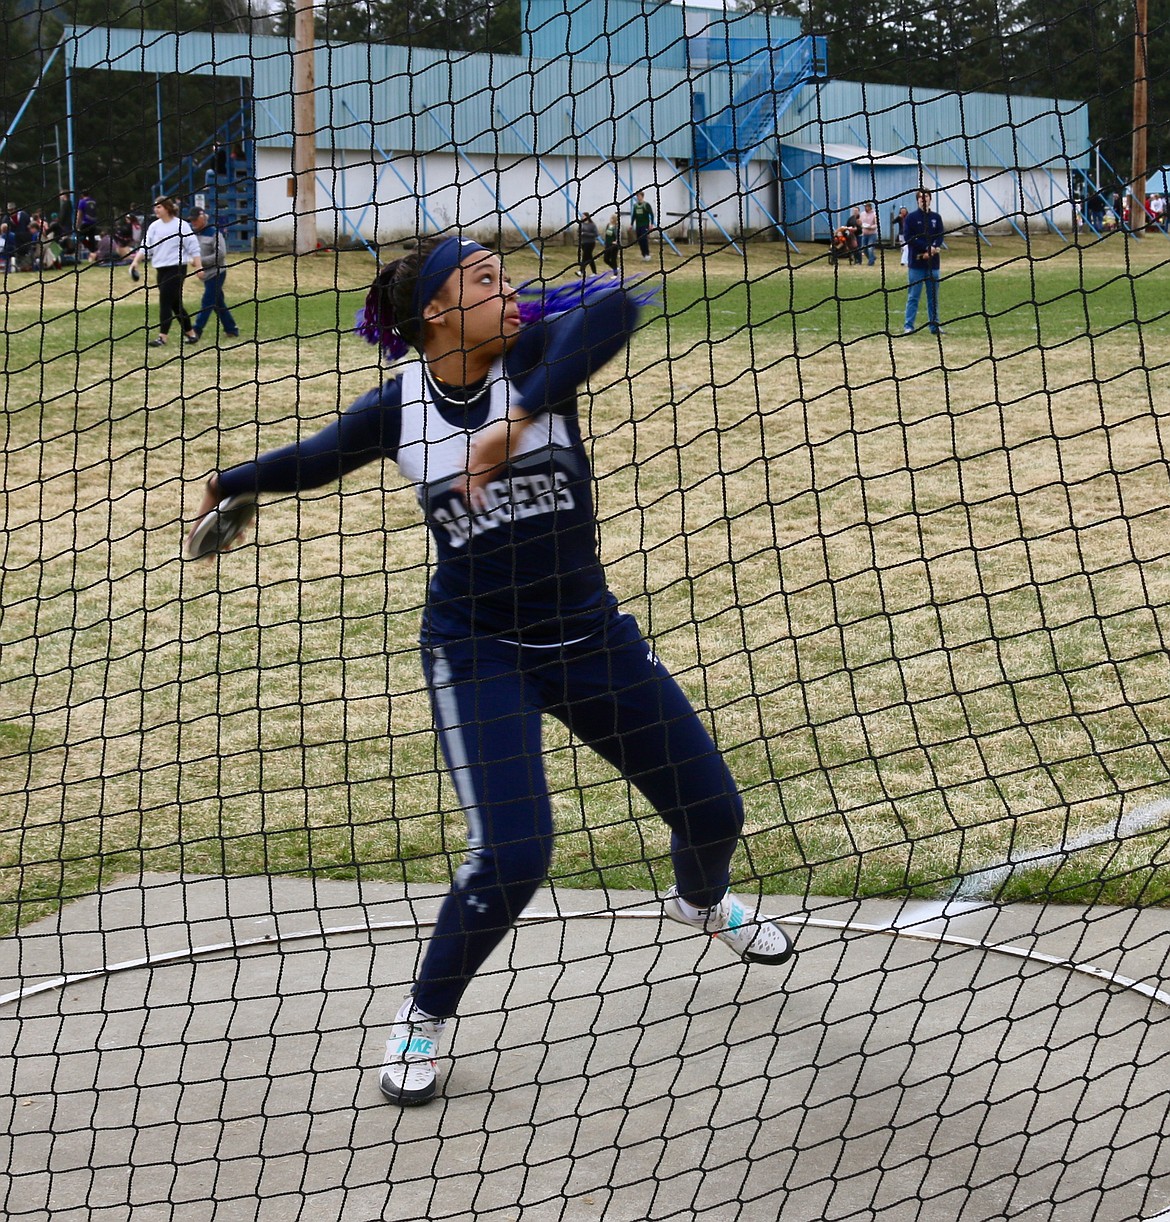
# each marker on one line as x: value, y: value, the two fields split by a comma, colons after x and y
x: 7, y: 249
x: 586, y: 241
x: 20, y: 229
x: 87, y: 221
x: 213, y: 253
x: 611, y: 250
x: 170, y: 245
x: 642, y: 217
x: 1095, y: 207
x: 519, y: 620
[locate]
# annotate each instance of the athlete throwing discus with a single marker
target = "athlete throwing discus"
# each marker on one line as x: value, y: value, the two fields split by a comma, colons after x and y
x: 519, y: 621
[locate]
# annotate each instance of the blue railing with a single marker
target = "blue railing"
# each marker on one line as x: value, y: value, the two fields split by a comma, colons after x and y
x: 734, y: 135
x: 222, y: 174
x: 707, y: 50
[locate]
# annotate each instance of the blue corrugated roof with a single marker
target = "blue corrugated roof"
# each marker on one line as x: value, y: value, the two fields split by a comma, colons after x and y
x: 418, y: 99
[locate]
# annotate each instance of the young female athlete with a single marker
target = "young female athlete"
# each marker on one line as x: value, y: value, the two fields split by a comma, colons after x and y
x: 519, y: 621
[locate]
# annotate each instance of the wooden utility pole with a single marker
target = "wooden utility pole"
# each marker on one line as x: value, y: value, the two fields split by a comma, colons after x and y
x: 1137, y: 174
x: 304, y: 133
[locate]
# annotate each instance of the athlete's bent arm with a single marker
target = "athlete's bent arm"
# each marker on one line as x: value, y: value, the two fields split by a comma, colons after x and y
x: 553, y: 358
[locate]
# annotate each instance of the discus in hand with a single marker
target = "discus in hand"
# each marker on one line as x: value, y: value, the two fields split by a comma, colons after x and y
x: 217, y: 530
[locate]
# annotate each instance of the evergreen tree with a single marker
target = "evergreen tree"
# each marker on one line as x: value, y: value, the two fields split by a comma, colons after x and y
x: 115, y: 114
x: 446, y: 25
x: 1081, y: 50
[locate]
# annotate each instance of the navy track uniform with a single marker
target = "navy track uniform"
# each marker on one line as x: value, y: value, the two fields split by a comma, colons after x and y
x: 519, y: 622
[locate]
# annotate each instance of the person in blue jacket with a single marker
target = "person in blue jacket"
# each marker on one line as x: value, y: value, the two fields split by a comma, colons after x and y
x: 519, y: 620
x: 922, y: 231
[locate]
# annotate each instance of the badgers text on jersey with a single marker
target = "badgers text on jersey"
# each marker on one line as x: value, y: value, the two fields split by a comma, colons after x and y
x: 504, y: 501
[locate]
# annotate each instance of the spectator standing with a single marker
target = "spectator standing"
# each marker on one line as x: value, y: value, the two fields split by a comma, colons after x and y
x: 642, y: 217
x: 20, y: 228
x: 1095, y: 210
x: 923, y: 231
x: 170, y: 245
x: 217, y: 163
x: 213, y: 253
x: 900, y: 226
x: 65, y: 212
x: 586, y: 241
x: 87, y: 221
x: 869, y: 232
x: 7, y: 248
x: 612, y: 245
x: 135, y: 222
x: 853, y: 224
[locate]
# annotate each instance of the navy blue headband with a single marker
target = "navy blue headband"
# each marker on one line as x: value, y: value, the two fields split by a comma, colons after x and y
x: 437, y: 266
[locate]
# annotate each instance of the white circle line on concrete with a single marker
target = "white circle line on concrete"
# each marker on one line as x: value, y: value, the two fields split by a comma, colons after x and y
x: 214, y: 948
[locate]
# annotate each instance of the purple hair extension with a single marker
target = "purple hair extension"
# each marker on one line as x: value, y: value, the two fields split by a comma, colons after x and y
x: 376, y: 324
x: 537, y: 302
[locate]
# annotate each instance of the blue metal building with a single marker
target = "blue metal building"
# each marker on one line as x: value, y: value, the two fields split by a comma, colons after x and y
x: 726, y: 119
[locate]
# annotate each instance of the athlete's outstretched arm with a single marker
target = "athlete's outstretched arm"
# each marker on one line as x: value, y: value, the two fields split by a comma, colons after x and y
x: 366, y: 432
x: 553, y: 357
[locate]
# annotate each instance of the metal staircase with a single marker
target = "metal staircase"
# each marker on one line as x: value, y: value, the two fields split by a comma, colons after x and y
x: 220, y: 177
x: 735, y: 135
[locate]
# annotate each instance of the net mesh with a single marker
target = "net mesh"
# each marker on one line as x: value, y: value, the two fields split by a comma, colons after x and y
x: 916, y: 585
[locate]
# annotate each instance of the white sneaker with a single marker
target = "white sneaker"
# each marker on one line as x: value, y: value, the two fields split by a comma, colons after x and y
x: 754, y: 938
x: 408, y: 1072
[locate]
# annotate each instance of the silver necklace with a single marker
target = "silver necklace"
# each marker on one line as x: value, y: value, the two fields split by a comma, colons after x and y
x: 437, y: 393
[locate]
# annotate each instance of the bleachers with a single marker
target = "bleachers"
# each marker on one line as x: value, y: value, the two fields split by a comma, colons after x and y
x: 220, y: 177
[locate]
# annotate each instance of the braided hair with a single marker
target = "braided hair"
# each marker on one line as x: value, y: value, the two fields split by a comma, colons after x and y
x: 388, y: 317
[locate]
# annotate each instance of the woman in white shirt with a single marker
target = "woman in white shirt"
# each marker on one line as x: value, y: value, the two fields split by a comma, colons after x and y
x: 170, y: 244
x: 869, y: 233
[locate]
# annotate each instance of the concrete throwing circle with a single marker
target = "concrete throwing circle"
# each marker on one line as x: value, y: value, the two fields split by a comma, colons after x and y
x: 603, y: 1070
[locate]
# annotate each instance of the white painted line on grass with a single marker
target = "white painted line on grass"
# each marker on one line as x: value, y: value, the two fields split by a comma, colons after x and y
x: 986, y: 882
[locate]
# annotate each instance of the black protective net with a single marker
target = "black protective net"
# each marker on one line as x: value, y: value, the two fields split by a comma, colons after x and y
x: 882, y: 479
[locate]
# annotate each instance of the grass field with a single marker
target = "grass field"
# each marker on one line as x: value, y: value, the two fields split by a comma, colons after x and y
x: 921, y: 590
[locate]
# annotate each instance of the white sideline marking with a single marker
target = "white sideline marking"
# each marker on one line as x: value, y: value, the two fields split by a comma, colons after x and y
x: 914, y: 914
x: 984, y: 883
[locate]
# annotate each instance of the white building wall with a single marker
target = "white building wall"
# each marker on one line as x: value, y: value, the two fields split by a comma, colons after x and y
x: 993, y: 198
x: 384, y: 202
x: 388, y: 201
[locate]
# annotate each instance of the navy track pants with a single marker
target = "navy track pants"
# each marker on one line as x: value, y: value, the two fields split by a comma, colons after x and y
x: 488, y: 698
